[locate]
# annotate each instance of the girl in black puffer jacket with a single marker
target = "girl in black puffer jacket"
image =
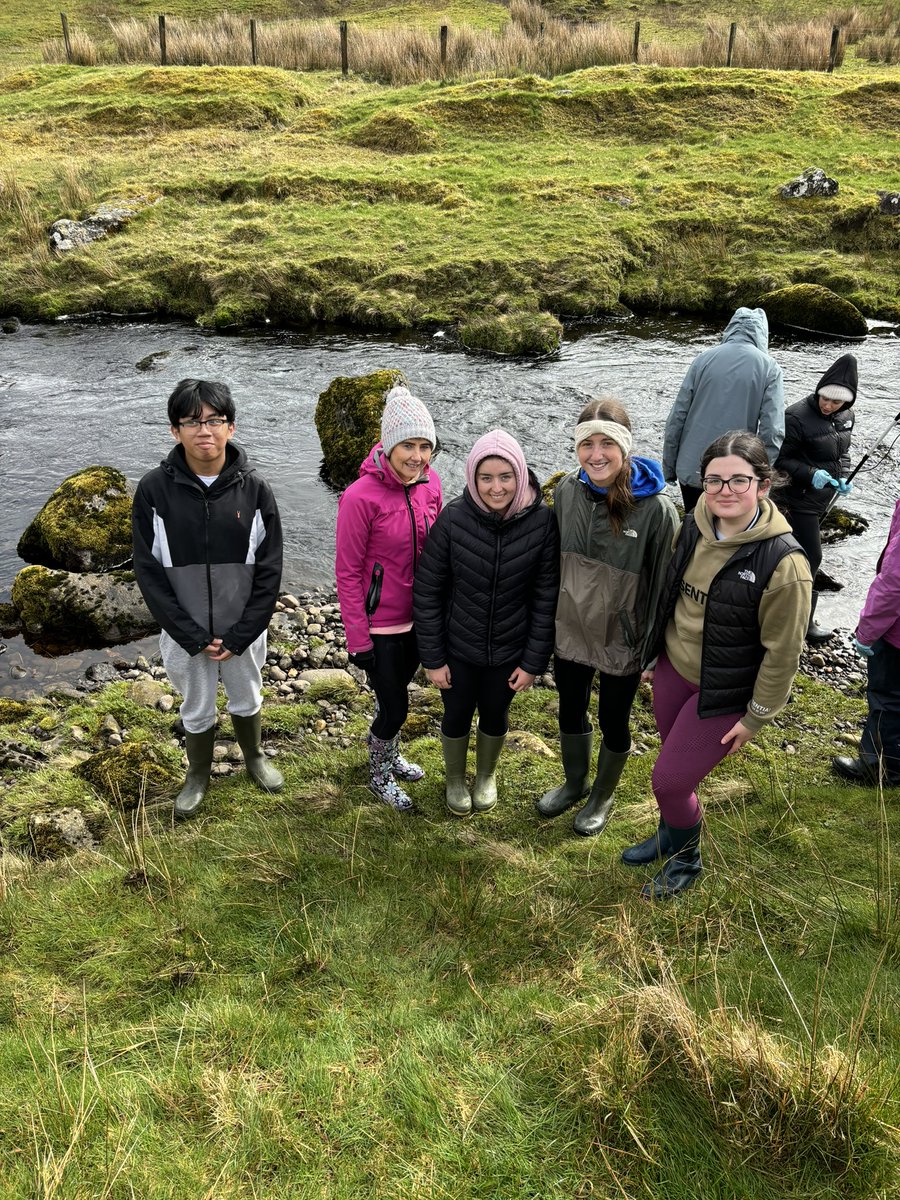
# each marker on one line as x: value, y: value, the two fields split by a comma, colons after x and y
x: 484, y: 608
x: 815, y: 454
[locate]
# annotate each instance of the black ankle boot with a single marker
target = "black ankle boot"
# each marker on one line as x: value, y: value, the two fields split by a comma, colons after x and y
x: 656, y: 846
x: 680, y: 871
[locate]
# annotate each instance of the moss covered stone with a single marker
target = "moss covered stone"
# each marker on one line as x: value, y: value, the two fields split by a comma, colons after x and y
x: 348, y: 421
x: 811, y: 306
x: 131, y: 773
x: 90, y: 609
x: 13, y: 711
x: 513, y: 333
x: 64, y: 830
x: 548, y: 489
x: 84, y: 526
x: 9, y: 619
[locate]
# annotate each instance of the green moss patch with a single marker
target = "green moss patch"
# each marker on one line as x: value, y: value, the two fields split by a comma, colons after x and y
x: 133, y: 773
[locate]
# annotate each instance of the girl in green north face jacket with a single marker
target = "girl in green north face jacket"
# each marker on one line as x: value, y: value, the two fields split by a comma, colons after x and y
x: 616, y: 530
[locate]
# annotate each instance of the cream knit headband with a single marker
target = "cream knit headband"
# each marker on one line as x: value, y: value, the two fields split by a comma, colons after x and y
x: 611, y: 429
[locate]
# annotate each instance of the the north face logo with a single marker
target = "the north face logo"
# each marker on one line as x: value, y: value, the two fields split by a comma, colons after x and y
x: 747, y: 575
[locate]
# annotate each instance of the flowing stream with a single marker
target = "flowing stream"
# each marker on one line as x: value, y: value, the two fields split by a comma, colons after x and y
x: 74, y: 394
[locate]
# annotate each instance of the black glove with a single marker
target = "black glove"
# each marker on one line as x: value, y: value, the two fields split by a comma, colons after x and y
x: 365, y: 660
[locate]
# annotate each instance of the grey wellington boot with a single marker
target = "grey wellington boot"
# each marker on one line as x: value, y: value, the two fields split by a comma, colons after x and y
x: 656, y: 846
x: 487, y: 755
x: 459, y: 802
x: 681, y: 869
x: 591, y: 820
x: 248, y: 731
x: 576, y: 755
x: 199, y: 749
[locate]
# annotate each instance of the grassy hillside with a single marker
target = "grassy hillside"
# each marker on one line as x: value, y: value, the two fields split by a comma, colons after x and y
x: 311, y: 996
x: 296, y: 197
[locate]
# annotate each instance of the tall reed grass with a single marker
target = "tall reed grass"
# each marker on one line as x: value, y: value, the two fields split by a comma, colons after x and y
x: 532, y: 42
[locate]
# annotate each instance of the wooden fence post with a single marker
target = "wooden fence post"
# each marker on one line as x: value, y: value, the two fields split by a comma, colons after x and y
x: 832, y: 53
x: 635, y: 47
x: 345, y: 59
x: 732, y: 33
x: 253, y: 54
x: 443, y: 48
x: 66, y: 38
x: 163, y: 57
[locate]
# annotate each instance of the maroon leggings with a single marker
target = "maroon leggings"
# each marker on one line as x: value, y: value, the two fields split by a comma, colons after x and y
x: 691, y: 745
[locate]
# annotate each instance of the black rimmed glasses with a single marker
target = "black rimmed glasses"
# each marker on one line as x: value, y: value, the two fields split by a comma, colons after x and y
x: 195, y: 423
x: 737, y: 484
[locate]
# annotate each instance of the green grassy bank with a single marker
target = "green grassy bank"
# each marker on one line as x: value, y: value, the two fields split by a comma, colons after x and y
x: 310, y: 996
x: 296, y: 198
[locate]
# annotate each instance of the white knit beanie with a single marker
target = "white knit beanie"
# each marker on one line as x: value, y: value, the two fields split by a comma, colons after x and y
x: 404, y: 417
x: 836, y: 392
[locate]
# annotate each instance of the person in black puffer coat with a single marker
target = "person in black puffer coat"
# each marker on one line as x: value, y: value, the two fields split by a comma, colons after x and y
x: 484, y: 605
x: 815, y: 454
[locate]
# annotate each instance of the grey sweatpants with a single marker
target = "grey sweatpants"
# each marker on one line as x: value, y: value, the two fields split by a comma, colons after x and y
x: 197, y: 678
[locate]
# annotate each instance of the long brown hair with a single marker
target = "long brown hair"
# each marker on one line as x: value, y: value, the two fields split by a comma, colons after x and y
x: 619, y: 499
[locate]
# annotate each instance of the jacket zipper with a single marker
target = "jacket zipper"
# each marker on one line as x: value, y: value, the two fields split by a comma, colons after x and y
x: 412, y: 521
x: 208, y: 566
x: 490, y: 634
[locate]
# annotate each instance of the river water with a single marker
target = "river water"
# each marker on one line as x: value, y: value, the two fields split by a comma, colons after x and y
x: 74, y: 394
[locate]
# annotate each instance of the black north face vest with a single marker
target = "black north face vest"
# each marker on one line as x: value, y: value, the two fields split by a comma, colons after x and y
x: 732, y: 651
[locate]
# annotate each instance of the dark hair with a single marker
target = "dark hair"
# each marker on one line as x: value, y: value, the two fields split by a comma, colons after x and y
x: 619, y: 500
x: 748, y: 447
x: 191, y: 394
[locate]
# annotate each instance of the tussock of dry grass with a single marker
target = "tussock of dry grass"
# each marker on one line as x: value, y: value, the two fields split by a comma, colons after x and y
x: 532, y: 42
x: 776, y: 1104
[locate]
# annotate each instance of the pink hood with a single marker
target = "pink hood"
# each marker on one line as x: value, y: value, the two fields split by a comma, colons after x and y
x: 500, y: 444
x: 382, y: 525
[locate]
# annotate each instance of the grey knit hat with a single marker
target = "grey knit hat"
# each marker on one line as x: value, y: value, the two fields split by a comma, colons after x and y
x: 404, y: 417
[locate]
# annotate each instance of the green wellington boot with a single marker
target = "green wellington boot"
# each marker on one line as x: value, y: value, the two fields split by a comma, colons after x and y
x: 199, y: 749
x: 487, y: 755
x: 459, y: 802
x: 576, y: 755
x: 248, y: 731
x: 591, y: 820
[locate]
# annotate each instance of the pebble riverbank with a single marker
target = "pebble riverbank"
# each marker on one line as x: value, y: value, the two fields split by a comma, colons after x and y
x: 311, y: 647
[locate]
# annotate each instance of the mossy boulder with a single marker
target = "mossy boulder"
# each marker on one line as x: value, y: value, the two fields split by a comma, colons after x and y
x: 816, y: 308
x: 9, y: 620
x: 70, y: 609
x: 548, y: 489
x: 514, y: 333
x: 332, y: 684
x: 84, y: 526
x: 348, y: 422
x: 64, y: 830
x: 134, y: 772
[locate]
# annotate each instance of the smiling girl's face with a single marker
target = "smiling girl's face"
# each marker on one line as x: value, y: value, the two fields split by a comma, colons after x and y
x: 601, y: 458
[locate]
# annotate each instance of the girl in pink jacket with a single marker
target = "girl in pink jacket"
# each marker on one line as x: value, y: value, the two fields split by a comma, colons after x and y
x: 383, y: 520
x: 878, y: 641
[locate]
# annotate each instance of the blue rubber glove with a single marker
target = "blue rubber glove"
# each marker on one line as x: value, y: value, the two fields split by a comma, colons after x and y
x: 861, y: 650
x: 845, y: 486
x: 823, y: 479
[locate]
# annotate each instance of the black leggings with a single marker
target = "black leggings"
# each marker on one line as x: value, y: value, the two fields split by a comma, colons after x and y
x: 484, y: 688
x: 396, y: 659
x: 616, y: 696
x: 806, y: 528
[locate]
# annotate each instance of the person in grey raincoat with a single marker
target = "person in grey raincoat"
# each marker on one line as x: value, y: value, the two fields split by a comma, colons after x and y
x: 735, y: 385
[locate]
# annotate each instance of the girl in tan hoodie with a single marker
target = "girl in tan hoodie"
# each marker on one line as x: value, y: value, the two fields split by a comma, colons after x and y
x: 729, y: 635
